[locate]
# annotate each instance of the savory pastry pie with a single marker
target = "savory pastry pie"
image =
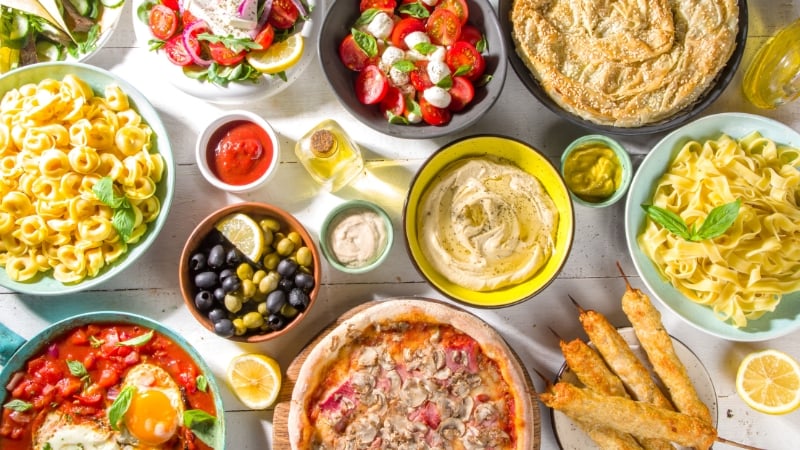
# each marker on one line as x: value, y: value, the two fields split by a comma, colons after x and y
x: 624, y: 63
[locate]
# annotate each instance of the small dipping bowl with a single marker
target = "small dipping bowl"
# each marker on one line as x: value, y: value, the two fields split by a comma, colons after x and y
x: 354, y: 226
x: 599, y: 161
x: 241, y: 133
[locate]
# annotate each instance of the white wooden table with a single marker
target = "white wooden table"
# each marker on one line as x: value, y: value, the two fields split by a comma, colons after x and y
x: 151, y: 287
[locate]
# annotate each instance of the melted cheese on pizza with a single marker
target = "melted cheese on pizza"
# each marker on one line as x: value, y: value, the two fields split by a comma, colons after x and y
x: 412, y: 385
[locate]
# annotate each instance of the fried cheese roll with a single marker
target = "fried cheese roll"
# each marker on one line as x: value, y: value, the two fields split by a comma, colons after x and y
x: 638, y: 418
x: 657, y: 343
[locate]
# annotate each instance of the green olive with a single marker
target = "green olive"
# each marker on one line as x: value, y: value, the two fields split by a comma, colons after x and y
x: 238, y: 327
x: 304, y: 257
x: 295, y: 237
x: 285, y: 247
x: 268, y: 237
x: 244, y: 271
x: 262, y: 308
x: 271, y: 260
x: 259, y: 275
x: 248, y: 288
x: 253, y: 320
x: 270, y: 223
x: 288, y: 311
x: 269, y: 283
x: 233, y: 303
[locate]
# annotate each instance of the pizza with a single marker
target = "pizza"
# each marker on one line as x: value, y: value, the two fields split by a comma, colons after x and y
x: 412, y: 374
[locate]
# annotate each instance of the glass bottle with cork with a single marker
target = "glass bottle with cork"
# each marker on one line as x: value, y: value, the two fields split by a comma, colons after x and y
x: 773, y: 78
x: 329, y: 155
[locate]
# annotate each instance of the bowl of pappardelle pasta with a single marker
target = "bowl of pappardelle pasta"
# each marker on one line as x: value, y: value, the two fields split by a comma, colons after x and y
x: 87, y: 177
x: 711, y: 224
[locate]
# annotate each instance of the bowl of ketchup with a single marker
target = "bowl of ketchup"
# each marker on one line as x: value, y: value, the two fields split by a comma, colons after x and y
x: 238, y: 151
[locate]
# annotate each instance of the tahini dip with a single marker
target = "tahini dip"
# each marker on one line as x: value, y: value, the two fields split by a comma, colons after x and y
x: 357, y: 237
x: 486, y: 223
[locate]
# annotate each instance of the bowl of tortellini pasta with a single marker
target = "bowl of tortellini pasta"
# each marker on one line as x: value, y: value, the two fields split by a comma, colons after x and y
x: 87, y: 176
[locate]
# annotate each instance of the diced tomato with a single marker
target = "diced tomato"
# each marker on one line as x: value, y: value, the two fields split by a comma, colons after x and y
x: 433, y: 115
x: 108, y: 378
x: 92, y: 395
x: 176, y: 51
x: 89, y: 360
x: 50, y: 371
x: 403, y: 28
x: 459, y: 7
x: 393, y: 103
x: 163, y: 21
x: 353, y: 56
x: 464, y: 59
x: 187, y: 17
x: 419, y: 77
x: 461, y: 93
x: 471, y: 34
x: 68, y: 386
x: 223, y: 55
x: 443, y: 27
x: 371, y: 85
x: 386, y: 6
x: 78, y: 337
x: 265, y: 37
x: 283, y: 14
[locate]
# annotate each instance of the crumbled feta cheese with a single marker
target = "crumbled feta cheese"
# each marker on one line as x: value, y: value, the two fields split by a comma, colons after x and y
x: 437, y: 71
x: 416, y: 37
x: 222, y: 17
x: 437, y: 96
x: 380, y: 26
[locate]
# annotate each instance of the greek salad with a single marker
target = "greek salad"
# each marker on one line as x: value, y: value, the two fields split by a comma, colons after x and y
x: 417, y: 60
x: 223, y: 41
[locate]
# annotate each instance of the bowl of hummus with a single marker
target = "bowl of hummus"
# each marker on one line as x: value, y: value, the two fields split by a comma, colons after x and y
x: 356, y: 236
x: 488, y: 221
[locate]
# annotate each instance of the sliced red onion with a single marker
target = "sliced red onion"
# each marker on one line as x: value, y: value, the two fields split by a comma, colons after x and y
x: 300, y: 8
x: 264, y: 15
x: 20, y: 416
x: 195, y: 27
x: 52, y: 351
x: 244, y: 6
x: 14, y: 381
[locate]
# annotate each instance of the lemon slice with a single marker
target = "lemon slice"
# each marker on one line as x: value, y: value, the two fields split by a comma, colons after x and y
x: 279, y: 56
x: 244, y: 233
x: 769, y: 382
x: 255, y: 379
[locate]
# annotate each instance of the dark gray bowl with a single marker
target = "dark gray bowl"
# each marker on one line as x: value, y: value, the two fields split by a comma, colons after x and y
x: 337, y: 23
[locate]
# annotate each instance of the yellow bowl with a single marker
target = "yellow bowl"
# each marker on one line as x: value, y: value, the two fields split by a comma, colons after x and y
x: 528, y: 159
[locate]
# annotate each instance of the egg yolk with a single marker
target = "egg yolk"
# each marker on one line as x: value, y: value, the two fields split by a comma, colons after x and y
x: 151, y: 418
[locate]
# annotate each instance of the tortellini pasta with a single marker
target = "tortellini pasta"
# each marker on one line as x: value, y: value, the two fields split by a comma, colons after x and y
x: 57, y: 140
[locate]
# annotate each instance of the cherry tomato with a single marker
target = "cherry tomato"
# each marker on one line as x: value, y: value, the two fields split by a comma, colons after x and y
x: 283, y: 14
x: 443, y: 27
x: 223, y: 55
x: 461, y: 93
x: 171, y: 4
x: 187, y: 17
x: 459, y: 7
x: 265, y: 37
x: 419, y: 77
x: 464, y: 59
x: 163, y: 21
x: 433, y: 115
x: 471, y: 34
x: 371, y: 85
x: 386, y: 6
x: 353, y: 57
x: 393, y: 103
x: 176, y: 51
x: 403, y: 28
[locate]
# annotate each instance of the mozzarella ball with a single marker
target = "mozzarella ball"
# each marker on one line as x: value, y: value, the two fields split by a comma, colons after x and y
x: 437, y: 96
x: 398, y: 77
x: 416, y: 37
x: 437, y: 71
x: 381, y: 25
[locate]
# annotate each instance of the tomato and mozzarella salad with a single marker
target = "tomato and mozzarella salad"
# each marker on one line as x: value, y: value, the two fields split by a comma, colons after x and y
x: 419, y: 60
x: 217, y: 40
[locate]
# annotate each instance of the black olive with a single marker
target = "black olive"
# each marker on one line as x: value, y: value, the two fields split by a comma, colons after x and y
x: 304, y: 281
x: 275, y: 301
x: 231, y: 284
x: 217, y: 314
x: 287, y: 267
x: 204, y: 300
x: 219, y: 294
x: 216, y: 257
x: 233, y: 258
x: 224, y: 328
x: 225, y: 273
x: 286, y: 284
x: 198, y: 262
x: 298, y: 299
x: 206, y: 280
x: 276, y: 321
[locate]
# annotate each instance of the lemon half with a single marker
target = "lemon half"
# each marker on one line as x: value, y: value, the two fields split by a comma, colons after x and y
x: 769, y: 382
x: 279, y: 56
x: 243, y: 232
x: 255, y: 379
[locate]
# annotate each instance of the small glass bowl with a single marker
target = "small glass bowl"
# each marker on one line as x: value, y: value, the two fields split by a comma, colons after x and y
x: 211, y: 132
x: 347, y: 210
x: 624, y: 161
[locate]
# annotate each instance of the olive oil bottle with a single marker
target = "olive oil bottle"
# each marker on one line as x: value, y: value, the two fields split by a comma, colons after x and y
x: 773, y: 78
x: 329, y: 155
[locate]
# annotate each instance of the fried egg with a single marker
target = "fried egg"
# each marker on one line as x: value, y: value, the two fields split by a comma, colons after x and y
x: 156, y: 410
x: 59, y: 431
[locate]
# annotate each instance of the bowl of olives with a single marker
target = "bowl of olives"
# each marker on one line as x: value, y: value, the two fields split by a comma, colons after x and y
x: 249, y: 272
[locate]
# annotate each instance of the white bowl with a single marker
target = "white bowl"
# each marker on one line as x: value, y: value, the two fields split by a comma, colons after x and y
x: 205, y: 139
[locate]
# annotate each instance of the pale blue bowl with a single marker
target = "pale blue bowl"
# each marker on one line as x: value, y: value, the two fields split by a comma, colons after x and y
x: 44, y: 284
x: 786, y: 318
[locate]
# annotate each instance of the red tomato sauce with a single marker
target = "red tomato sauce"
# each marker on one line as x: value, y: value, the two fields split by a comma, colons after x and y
x: 240, y: 152
x: 47, y: 384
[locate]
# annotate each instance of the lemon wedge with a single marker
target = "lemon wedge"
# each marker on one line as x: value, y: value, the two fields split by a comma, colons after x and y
x: 255, y: 379
x: 769, y: 382
x: 243, y: 232
x: 279, y: 56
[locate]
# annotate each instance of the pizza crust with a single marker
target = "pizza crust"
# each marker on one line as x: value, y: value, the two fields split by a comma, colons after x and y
x: 325, y: 353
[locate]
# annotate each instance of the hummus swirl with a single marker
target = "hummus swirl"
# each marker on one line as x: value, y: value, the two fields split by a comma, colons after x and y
x: 487, y: 224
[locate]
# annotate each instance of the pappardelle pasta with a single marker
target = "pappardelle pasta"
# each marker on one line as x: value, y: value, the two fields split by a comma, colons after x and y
x: 743, y: 273
x: 57, y: 140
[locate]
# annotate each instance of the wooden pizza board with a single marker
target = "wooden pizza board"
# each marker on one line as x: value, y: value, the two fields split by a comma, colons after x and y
x: 280, y: 417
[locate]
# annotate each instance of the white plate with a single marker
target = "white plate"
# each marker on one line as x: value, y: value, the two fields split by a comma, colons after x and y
x: 570, y: 436
x: 234, y: 92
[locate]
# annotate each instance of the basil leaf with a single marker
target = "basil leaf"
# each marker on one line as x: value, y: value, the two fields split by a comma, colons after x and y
x: 77, y: 369
x: 446, y: 82
x: 425, y: 48
x: 667, y: 219
x: 18, y: 405
x: 366, y: 17
x: 365, y: 42
x: 236, y: 45
x: 483, y: 80
x: 202, y: 424
x: 138, y: 340
x: 414, y: 10
x: 396, y: 119
x: 719, y: 220
x: 482, y: 45
x: 462, y: 70
x: 95, y: 342
x: 120, y: 406
x: 202, y: 383
x: 104, y: 190
x: 404, y: 66
x: 413, y: 107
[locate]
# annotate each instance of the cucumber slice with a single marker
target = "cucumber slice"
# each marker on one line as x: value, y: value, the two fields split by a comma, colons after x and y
x: 112, y: 3
x: 48, y: 51
x: 20, y: 27
x: 82, y: 6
